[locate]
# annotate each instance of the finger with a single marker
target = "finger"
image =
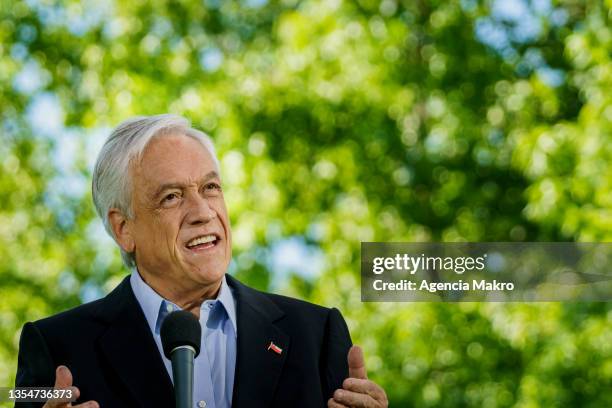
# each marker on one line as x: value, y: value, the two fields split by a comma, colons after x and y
x: 333, y: 404
x: 356, y: 363
x: 59, y: 404
x: 365, y: 387
x: 64, y: 401
x: 88, y: 404
x: 63, y: 380
x: 63, y: 377
x: 354, y: 399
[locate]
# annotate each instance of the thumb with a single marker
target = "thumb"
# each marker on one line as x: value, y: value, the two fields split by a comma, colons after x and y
x: 63, y: 380
x: 356, y: 363
x: 63, y: 377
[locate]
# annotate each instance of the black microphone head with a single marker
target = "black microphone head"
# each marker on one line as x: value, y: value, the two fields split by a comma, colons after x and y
x: 180, y: 328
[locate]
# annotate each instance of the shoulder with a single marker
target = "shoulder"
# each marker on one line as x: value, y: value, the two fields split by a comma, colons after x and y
x: 310, y: 317
x: 88, y: 317
x: 271, y: 301
x: 298, y: 314
x: 71, y: 318
x: 294, y: 305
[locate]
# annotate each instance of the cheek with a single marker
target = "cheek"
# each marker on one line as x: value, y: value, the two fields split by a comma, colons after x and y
x: 228, y: 242
x: 163, y: 230
x: 222, y: 214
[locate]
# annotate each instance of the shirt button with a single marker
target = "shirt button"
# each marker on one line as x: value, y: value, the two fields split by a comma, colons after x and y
x: 201, y: 404
x: 169, y: 307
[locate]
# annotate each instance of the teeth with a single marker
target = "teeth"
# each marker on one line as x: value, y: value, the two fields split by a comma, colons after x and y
x: 201, y: 240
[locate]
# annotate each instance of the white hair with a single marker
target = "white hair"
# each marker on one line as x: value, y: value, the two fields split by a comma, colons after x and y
x: 111, y: 184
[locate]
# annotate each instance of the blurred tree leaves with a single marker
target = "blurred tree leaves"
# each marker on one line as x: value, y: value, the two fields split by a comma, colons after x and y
x: 338, y: 122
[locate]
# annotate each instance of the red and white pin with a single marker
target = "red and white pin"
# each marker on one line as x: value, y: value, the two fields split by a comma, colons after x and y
x: 275, y: 348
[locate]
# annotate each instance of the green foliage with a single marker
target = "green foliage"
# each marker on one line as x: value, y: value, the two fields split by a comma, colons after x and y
x: 339, y: 122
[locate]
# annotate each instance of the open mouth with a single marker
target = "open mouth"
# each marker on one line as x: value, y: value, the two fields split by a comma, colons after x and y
x: 203, y: 242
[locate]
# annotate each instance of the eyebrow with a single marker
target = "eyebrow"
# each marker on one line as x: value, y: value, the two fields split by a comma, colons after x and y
x: 178, y: 185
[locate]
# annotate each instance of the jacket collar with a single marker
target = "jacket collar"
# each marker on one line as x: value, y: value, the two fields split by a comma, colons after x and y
x: 258, y: 366
x: 129, y: 347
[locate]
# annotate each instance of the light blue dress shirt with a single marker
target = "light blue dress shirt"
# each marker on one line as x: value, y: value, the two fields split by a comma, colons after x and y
x: 215, y: 365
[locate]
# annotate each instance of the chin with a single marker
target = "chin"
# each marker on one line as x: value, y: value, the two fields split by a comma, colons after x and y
x: 209, y: 274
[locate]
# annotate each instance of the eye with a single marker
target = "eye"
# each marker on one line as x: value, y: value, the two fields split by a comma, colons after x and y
x: 169, y: 198
x: 211, y: 187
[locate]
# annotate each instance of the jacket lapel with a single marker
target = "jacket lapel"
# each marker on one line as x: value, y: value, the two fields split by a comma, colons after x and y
x: 258, y: 367
x: 129, y: 347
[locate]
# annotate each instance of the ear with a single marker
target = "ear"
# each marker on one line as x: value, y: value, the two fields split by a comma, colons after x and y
x: 122, y: 229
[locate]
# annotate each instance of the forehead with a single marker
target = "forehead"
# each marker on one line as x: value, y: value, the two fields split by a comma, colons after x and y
x: 174, y: 157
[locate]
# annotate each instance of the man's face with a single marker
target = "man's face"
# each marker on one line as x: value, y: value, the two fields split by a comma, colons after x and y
x: 180, y: 228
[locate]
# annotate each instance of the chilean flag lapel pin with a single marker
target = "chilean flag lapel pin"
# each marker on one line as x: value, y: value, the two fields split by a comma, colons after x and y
x: 275, y: 348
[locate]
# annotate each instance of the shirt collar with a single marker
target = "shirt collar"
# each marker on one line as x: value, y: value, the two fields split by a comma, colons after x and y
x: 155, y: 307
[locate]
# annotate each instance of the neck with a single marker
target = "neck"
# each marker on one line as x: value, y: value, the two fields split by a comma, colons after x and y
x: 187, y: 297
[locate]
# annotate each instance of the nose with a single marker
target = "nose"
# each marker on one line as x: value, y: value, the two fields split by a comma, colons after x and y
x: 200, y: 211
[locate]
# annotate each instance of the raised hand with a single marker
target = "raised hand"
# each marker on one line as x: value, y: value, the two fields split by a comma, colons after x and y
x: 357, y: 391
x: 63, y: 380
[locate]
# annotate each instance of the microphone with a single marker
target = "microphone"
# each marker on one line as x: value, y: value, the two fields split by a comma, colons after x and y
x: 180, y: 335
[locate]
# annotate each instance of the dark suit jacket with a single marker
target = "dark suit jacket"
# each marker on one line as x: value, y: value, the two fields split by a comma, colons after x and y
x: 110, y: 351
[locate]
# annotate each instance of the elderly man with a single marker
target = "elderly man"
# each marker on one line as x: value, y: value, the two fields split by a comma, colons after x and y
x: 157, y: 187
